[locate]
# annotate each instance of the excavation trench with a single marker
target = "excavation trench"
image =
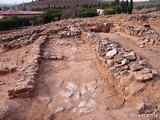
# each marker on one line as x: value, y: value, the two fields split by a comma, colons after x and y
x: 75, y: 86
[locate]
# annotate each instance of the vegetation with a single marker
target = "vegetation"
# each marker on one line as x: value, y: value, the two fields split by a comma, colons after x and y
x: 51, y: 15
x: 87, y: 12
x: 139, y: 7
x: 118, y: 7
x: 57, y: 13
x: 13, y: 22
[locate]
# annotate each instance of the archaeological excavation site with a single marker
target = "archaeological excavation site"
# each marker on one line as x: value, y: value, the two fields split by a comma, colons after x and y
x: 100, y: 68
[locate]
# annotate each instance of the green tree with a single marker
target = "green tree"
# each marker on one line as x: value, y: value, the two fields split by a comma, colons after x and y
x: 130, y: 7
x: 51, y: 14
x: 87, y: 12
x: 116, y: 2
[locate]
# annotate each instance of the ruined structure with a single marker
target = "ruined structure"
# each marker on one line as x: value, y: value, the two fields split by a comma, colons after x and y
x: 76, y: 68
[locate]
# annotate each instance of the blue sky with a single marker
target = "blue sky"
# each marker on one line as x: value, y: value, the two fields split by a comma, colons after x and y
x: 21, y: 1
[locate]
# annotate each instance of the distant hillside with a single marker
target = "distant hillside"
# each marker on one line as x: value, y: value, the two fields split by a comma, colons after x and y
x: 54, y: 3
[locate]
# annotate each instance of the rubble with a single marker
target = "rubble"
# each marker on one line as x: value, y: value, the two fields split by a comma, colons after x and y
x: 119, y: 62
x: 29, y: 69
x: 145, y: 34
x: 128, y: 74
x: 122, y: 64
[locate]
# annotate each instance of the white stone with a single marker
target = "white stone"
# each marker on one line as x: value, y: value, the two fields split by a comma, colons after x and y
x: 77, y: 96
x: 111, y: 53
x: 59, y: 109
x: 91, y: 103
x: 74, y: 110
x: 71, y: 86
x: 83, y: 90
x: 47, y: 55
x: 92, y: 88
x: 124, y: 61
x: 85, y: 110
x: 141, y: 107
x: 82, y: 104
x: 66, y: 94
x: 20, y: 78
x: 66, y: 100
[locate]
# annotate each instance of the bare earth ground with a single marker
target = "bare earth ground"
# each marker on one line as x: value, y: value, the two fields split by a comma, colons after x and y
x: 79, y: 68
x: 68, y: 84
x: 76, y: 87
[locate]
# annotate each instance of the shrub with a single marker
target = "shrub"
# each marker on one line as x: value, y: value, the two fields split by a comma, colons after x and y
x: 13, y: 22
x: 51, y: 14
x: 110, y: 10
x: 87, y: 12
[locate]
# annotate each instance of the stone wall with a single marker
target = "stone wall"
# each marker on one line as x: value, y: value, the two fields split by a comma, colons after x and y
x: 127, y: 67
x: 129, y: 70
x: 146, y: 35
x: 11, y: 41
x: 26, y: 72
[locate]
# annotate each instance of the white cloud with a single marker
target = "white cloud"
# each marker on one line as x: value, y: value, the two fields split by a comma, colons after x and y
x: 13, y: 1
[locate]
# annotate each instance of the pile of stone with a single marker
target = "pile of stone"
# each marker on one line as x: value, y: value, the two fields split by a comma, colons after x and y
x: 48, y: 56
x: 26, y: 72
x: 71, y: 31
x: 146, y: 35
x: 127, y: 67
x: 121, y: 62
x: 138, y: 17
x: 17, y: 40
x: 98, y: 26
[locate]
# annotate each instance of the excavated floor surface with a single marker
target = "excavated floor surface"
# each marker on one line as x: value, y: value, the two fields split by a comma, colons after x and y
x: 76, y: 87
x: 73, y: 88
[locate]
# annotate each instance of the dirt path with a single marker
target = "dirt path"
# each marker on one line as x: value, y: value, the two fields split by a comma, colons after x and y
x: 150, y: 53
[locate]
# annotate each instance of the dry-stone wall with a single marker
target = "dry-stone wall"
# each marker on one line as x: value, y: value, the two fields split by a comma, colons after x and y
x: 127, y: 67
x: 147, y: 36
x: 17, y: 40
x: 26, y: 72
